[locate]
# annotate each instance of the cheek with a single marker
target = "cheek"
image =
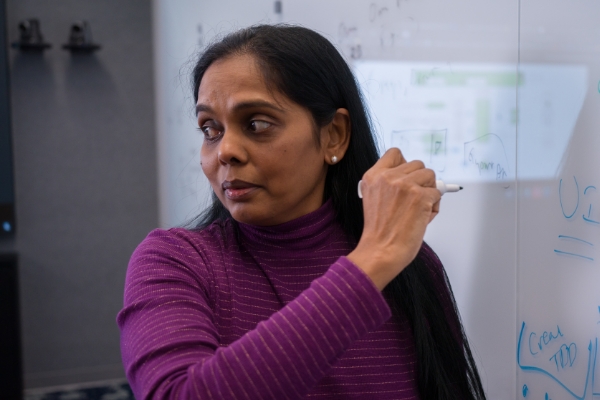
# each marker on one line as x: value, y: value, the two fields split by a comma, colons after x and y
x: 300, y: 162
x: 208, y: 163
x: 279, y: 161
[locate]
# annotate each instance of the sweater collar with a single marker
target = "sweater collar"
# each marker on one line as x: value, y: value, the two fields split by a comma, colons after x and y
x: 305, y: 232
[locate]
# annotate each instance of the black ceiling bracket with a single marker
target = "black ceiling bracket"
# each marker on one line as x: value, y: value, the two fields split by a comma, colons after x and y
x: 30, y: 37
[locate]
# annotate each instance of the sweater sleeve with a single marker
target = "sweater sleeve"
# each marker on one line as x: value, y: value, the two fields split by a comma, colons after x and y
x: 170, y: 344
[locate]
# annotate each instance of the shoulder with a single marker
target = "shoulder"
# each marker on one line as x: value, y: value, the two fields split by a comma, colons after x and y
x: 180, y: 243
x: 179, y: 254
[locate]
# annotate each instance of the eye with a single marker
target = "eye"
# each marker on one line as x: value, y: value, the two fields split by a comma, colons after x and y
x: 259, y: 126
x: 210, y: 132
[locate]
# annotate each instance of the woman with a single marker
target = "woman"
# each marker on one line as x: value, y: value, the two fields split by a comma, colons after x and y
x: 290, y: 286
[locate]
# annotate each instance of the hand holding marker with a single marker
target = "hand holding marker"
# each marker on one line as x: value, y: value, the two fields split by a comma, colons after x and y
x: 440, y: 185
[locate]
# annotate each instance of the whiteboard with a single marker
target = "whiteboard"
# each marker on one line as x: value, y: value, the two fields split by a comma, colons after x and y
x: 500, y: 97
x: 559, y: 207
x: 181, y: 29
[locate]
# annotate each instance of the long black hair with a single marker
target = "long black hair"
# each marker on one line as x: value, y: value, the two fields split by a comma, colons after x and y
x: 308, y: 69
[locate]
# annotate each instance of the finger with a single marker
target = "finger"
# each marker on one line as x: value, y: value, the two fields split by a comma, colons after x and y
x: 423, y: 177
x: 435, y: 196
x: 410, y: 166
x: 435, y: 210
x: 390, y: 159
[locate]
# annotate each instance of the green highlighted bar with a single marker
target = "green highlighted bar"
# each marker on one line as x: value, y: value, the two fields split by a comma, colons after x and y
x: 466, y: 78
x: 482, y: 118
x: 436, y: 105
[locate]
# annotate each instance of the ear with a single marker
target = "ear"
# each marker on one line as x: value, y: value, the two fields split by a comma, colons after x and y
x: 335, y: 136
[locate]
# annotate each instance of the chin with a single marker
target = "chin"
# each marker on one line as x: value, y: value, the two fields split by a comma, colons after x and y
x: 247, y: 214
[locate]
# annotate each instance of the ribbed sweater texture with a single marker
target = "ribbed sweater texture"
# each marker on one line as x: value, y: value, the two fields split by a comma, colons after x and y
x: 253, y: 312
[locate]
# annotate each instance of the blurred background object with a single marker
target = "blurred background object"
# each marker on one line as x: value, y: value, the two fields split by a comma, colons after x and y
x: 30, y: 36
x: 11, y: 381
x: 80, y: 38
x: 85, y: 191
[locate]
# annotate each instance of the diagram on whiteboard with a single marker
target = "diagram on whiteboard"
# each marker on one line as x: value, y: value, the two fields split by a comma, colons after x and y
x: 461, y: 119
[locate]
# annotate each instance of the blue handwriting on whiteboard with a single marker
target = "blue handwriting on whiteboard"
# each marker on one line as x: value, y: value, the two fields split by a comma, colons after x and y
x: 560, y: 197
x: 565, y: 356
x: 570, y: 211
x: 588, y: 218
x: 576, y: 240
x: 586, y: 192
x: 545, y: 339
x: 566, y: 361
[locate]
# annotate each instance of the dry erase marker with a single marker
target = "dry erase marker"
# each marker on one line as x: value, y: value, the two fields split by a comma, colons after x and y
x: 447, y: 187
x: 440, y: 185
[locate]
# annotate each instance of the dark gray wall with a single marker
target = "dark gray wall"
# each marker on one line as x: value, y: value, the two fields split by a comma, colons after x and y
x: 86, y: 193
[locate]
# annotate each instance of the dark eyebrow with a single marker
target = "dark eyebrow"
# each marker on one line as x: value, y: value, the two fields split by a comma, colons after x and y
x: 242, y: 106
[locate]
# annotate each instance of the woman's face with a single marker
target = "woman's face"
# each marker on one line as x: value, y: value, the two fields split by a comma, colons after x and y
x: 259, y: 151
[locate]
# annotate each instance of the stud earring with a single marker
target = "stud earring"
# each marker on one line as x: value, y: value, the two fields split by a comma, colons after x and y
x: 334, y: 159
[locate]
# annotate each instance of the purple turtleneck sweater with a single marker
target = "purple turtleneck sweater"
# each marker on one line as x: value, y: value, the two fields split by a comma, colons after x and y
x: 262, y: 313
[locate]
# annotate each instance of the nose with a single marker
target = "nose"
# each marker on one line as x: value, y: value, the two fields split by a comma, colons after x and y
x: 232, y: 149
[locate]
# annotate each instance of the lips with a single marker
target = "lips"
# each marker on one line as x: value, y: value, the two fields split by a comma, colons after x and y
x: 237, y: 189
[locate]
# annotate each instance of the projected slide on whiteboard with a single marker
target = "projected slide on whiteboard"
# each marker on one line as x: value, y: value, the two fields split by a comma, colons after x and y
x: 460, y: 119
